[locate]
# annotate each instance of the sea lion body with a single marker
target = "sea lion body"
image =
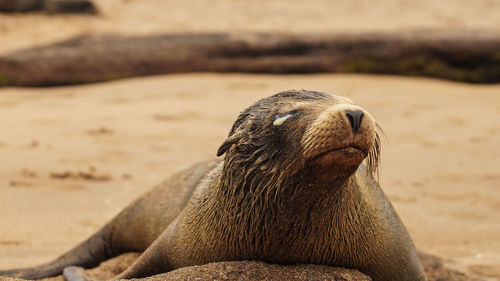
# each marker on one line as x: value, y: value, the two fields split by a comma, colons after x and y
x: 296, y: 185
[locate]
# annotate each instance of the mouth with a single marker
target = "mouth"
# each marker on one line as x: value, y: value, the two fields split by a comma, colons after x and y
x: 347, y: 152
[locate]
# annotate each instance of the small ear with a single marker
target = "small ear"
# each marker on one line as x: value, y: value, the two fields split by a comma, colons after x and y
x: 234, y: 135
x: 223, y: 148
x: 228, y: 143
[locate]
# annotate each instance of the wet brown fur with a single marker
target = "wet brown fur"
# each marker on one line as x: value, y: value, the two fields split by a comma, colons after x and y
x: 295, y: 192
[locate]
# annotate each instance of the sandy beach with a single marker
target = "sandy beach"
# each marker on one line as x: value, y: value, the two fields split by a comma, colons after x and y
x: 73, y: 157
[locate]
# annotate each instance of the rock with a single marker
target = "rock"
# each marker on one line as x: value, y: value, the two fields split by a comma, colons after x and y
x: 254, y: 271
x: 70, y: 6
x: 20, y: 5
x: 235, y: 270
x: 251, y: 270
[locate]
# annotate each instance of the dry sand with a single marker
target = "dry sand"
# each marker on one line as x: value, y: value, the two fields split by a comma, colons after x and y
x: 439, y: 163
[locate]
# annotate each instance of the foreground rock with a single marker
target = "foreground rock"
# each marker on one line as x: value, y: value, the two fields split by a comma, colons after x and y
x: 50, y: 6
x: 229, y: 271
x: 462, y: 56
x: 232, y: 271
x: 251, y: 271
x: 434, y: 269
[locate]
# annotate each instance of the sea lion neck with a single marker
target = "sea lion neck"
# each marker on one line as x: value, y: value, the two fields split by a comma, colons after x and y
x: 249, y: 219
x: 281, y: 191
x: 274, y: 187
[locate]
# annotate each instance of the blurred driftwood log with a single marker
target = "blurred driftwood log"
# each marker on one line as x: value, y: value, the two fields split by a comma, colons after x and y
x: 462, y: 56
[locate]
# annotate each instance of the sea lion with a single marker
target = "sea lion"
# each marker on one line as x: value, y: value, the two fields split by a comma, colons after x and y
x: 296, y: 185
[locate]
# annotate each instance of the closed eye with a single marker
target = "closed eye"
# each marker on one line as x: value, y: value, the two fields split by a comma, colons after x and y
x: 280, y: 120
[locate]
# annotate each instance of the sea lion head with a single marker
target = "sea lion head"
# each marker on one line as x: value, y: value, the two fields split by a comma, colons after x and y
x: 293, y: 133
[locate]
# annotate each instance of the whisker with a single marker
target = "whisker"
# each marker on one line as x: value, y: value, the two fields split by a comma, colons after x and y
x: 373, y: 159
x: 379, y: 131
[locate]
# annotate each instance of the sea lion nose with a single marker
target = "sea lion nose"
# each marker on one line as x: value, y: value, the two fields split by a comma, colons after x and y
x: 355, y: 117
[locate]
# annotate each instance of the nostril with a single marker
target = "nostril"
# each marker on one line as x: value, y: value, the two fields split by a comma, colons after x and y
x: 355, y: 117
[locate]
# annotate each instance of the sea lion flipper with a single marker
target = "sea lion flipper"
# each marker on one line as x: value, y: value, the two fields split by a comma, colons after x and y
x: 145, y: 265
x: 155, y: 259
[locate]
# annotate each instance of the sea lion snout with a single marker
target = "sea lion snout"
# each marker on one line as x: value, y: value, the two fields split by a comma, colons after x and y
x: 337, y: 127
x: 342, y: 134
